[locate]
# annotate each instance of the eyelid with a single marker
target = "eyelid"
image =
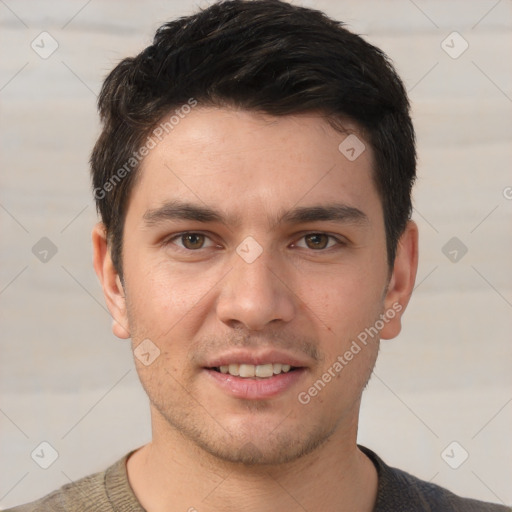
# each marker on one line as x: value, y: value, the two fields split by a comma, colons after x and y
x: 170, y: 239
x: 340, y: 241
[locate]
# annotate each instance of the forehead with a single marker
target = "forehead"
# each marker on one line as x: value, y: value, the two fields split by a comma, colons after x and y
x: 251, y: 164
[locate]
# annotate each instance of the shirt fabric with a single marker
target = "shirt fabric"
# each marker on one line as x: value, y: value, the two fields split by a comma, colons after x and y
x: 110, y: 491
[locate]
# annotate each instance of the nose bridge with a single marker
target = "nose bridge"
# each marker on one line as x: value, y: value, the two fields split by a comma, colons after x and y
x: 253, y: 294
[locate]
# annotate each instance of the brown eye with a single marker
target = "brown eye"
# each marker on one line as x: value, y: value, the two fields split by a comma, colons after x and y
x: 189, y: 241
x: 317, y: 240
x: 192, y: 240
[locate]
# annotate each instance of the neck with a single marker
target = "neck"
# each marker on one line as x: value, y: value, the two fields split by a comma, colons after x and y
x: 173, y: 474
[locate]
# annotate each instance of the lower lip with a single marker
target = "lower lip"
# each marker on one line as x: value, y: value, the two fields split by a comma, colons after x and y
x: 255, y: 389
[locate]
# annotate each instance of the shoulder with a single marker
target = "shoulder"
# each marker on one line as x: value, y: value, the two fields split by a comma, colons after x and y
x: 88, y: 494
x: 400, y: 491
x: 77, y: 496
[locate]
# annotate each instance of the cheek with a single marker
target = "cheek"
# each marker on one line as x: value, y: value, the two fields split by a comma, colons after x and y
x: 164, y: 299
x: 348, y: 307
x: 345, y: 301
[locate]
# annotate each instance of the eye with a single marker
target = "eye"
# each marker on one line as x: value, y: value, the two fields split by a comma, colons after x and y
x: 190, y: 241
x: 319, y: 241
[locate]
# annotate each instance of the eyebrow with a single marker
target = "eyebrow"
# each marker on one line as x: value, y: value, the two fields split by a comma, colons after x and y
x: 180, y: 210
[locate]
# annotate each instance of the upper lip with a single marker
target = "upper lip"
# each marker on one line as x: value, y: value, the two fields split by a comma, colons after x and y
x: 255, y: 358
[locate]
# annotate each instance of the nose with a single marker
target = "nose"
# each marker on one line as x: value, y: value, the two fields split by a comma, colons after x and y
x: 255, y: 294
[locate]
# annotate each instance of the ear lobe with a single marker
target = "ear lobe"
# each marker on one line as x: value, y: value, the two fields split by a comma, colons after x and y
x: 401, y: 283
x: 110, y: 282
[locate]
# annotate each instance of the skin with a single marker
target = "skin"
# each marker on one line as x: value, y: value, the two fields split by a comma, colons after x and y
x: 308, y: 296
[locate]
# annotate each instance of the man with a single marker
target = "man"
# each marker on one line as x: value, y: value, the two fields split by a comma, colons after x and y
x: 253, y: 177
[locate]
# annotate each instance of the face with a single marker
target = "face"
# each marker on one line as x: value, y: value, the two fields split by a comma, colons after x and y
x: 252, y: 240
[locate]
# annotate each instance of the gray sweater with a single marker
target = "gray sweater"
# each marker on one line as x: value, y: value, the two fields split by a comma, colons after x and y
x: 110, y: 491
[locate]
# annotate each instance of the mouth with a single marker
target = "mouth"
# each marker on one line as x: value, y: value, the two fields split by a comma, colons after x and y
x: 255, y: 382
x: 252, y: 371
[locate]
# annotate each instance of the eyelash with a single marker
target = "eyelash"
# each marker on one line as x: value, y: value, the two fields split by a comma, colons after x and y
x: 169, y: 241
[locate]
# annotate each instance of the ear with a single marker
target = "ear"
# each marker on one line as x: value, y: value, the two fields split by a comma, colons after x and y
x: 110, y: 281
x: 402, y: 281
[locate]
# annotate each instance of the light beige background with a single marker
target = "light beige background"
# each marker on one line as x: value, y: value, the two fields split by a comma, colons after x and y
x: 66, y: 380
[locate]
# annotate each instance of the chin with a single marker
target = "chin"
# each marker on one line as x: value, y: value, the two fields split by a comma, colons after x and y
x: 267, y: 449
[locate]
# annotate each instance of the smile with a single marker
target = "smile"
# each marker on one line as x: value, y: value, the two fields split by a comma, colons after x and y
x: 253, y: 387
x: 263, y: 371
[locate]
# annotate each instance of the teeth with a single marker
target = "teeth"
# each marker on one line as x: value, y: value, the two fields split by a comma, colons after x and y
x: 251, y: 370
x: 246, y: 370
x: 264, y: 370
